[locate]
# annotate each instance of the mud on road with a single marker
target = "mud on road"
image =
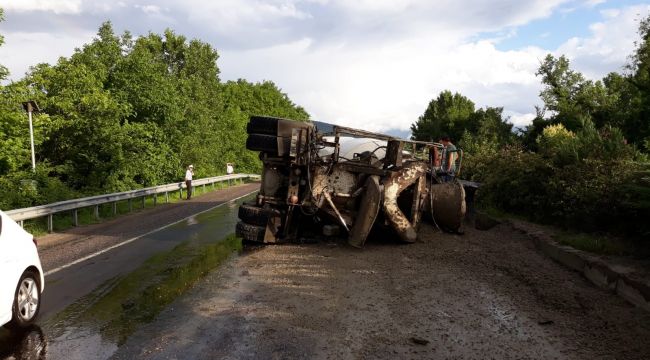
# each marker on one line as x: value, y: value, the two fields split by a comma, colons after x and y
x: 479, y: 295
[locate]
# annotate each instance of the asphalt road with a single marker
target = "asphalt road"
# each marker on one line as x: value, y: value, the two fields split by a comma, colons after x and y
x: 65, y: 286
x: 81, y: 260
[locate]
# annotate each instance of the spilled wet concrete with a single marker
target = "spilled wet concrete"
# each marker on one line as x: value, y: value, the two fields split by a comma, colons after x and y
x: 132, y: 284
x: 481, y: 295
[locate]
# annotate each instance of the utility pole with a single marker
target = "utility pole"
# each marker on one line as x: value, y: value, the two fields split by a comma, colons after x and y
x: 31, y: 106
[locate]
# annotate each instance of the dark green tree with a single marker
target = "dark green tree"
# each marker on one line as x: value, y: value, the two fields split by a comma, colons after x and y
x: 570, y: 97
x: 448, y: 114
x: 636, y: 98
x: 3, y: 70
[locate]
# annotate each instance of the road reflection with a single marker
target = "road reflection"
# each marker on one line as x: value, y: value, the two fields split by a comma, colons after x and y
x: 95, y: 325
x: 19, y: 344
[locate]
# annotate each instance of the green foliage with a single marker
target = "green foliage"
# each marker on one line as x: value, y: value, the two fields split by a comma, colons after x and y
x: 593, y: 243
x: 618, y: 101
x: 26, y: 188
x: 581, y: 164
x: 590, y: 194
x: 3, y: 70
x: 121, y: 114
x: 572, y: 98
x: 449, y: 114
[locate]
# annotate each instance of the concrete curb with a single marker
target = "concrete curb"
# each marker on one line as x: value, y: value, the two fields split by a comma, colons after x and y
x: 618, y: 278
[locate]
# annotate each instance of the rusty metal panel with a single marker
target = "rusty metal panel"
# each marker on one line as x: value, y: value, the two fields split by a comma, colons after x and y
x: 397, y: 182
x: 393, y: 154
x: 370, y: 204
x: 417, y: 205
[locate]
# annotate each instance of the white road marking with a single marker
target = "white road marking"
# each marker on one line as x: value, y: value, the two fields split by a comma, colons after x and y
x: 53, y: 271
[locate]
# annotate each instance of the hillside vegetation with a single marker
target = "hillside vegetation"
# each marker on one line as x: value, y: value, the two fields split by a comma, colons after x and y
x: 123, y: 113
x: 582, y: 163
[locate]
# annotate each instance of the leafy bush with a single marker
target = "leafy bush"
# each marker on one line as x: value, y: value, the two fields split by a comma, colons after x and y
x: 591, y: 194
x: 25, y: 188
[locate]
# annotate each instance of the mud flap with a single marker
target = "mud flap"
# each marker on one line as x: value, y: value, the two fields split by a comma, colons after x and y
x: 368, y: 211
x: 412, y: 173
x: 448, y: 205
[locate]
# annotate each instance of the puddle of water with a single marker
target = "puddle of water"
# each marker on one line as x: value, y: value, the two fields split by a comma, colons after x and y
x: 26, y: 344
x: 96, y: 325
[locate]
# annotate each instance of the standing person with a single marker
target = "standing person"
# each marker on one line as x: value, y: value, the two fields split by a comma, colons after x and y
x: 449, y: 156
x: 229, y: 169
x: 188, y: 180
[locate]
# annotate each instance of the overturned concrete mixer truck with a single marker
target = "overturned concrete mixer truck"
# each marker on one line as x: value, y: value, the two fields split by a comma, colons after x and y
x: 321, y: 179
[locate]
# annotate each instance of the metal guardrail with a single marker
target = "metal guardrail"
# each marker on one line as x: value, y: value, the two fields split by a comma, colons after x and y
x: 20, y: 215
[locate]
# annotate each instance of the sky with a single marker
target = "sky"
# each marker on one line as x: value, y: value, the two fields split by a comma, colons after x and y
x: 369, y: 64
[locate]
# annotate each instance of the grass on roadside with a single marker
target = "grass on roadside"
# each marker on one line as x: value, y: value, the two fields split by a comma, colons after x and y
x: 598, y: 244
x: 85, y: 216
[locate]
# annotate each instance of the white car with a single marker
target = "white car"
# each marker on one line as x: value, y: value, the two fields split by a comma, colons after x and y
x: 21, y: 275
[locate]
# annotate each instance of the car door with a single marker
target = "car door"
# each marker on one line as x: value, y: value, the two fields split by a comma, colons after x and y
x: 7, y: 264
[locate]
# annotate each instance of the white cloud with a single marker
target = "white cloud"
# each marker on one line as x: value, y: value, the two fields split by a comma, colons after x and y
x: 592, y: 3
x: 22, y: 49
x: 387, y: 87
x: 519, y: 120
x: 610, y: 43
x: 149, y: 9
x: 235, y: 15
x: 373, y: 64
x: 55, y: 6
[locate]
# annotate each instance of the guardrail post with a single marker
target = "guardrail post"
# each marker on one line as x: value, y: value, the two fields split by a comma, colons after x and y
x: 130, y: 205
x: 204, y: 188
x: 22, y: 223
x: 228, y: 182
x: 96, y: 212
x: 144, y: 197
x: 166, y: 197
x: 114, y: 207
x: 180, y: 191
x: 75, y: 218
x: 155, y: 199
x: 50, y: 223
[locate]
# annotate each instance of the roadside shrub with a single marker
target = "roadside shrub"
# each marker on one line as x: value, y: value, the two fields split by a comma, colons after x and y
x: 589, y: 195
x: 26, y: 188
x: 516, y: 181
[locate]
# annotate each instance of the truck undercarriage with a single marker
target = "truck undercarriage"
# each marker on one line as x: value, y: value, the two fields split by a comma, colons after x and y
x: 319, y: 179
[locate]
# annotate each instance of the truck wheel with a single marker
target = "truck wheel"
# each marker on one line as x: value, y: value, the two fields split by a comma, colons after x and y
x: 253, y: 215
x: 250, y: 232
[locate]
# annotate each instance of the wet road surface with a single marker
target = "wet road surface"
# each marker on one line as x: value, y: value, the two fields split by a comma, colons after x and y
x: 57, y: 336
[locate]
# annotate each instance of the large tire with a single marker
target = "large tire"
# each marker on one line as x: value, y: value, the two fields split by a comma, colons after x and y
x: 250, y: 232
x: 253, y: 215
x: 262, y: 125
x: 267, y: 125
x: 27, y: 300
x: 273, y: 145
